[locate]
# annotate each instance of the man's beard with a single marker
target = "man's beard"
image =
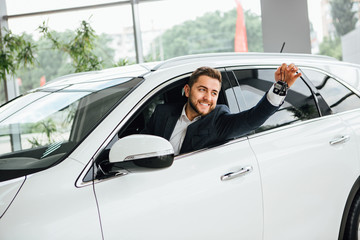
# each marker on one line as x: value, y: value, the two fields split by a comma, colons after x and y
x: 192, y: 105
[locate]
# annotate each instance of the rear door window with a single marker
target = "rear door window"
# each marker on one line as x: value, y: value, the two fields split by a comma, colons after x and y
x: 299, y: 103
x: 338, y: 97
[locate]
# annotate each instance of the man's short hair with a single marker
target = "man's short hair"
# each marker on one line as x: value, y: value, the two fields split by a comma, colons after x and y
x: 207, y: 71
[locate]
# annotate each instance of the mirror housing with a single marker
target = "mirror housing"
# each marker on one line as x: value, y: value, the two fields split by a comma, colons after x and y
x: 144, y: 150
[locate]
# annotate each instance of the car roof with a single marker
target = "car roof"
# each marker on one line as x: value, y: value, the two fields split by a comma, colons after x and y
x: 188, y: 63
x: 223, y: 59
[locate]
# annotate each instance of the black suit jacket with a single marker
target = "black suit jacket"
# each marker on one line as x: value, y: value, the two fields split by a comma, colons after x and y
x: 216, y: 127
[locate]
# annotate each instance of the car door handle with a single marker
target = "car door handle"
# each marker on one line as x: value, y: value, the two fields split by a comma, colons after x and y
x: 341, y: 139
x: 236, y: 174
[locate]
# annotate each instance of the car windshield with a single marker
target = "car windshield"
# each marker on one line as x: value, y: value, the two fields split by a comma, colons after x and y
x: 39, y: 129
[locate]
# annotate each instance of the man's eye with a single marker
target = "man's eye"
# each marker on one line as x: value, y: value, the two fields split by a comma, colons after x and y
x: 214, y: 94
x: 201, y: 89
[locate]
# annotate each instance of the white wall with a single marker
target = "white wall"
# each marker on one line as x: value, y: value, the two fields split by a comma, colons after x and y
x: 285, y: 21
x: 351, y: 47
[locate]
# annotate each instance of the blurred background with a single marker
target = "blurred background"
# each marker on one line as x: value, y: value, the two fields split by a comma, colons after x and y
x: 127, y: 32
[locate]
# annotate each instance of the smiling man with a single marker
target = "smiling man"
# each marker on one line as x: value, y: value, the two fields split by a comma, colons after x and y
x: 202, y: 92
x: 201, y: 122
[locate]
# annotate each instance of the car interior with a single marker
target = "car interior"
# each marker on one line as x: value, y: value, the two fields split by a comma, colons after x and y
x: 173, y: 94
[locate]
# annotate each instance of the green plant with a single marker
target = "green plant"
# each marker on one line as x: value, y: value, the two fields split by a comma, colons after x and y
x: 343, y: 16
x: 122, y: 62
x: 200, y: 36
x: 48, y: 127
x: 80, y: 48
x: 15, y: 52
x: 331, y: 47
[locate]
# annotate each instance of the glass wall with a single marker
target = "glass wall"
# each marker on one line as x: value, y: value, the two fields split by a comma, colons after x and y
x: 114, y: 21
x: 169, y: 28
x: 112, y: 24
x: 22, y: 6
x: 180, y: 27
x: 331, y: 23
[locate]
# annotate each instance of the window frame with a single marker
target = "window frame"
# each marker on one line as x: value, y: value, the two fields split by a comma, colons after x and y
x: 243, y: 103
x: 322, y: 101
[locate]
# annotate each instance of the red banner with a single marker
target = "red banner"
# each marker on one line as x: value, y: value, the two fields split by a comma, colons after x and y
x: 240, y: 43
x: 42, y: 81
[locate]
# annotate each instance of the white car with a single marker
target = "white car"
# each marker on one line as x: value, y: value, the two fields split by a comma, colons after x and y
x: 72, y: 156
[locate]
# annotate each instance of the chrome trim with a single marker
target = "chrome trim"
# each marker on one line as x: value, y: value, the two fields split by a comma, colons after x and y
x: 149, y: 155
x: 230, y: 142
x: 276, y: 129
x: 232, y: 175
x: 79, y: 182
x: 342, y: 139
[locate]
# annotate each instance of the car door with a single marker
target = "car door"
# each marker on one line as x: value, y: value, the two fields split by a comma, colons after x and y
x: 307, y: 166
x: 213, y: 193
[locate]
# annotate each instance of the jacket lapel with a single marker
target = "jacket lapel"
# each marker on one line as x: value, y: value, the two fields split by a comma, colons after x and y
x: 171, y: 122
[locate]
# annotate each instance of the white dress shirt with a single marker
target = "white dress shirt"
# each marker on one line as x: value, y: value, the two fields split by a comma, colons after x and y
x: 178, y: 135
x: 274, y: 99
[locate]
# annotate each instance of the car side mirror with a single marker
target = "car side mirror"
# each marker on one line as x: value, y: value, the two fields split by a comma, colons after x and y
x: 144, y: 150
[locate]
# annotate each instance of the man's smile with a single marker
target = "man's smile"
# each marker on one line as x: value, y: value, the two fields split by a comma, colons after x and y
x: 205, y: 104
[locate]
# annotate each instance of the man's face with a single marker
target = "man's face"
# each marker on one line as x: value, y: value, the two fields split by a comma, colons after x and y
x: 202, y: 96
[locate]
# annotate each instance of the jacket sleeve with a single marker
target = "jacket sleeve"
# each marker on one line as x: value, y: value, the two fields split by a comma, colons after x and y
x: 230, y: 126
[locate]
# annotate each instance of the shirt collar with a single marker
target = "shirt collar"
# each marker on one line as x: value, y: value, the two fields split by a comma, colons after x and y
x: 184, y: 117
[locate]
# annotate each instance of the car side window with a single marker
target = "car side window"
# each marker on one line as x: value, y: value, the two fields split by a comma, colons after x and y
x: 299, y: 103
x: 338, y: 97
x: 174, y: 94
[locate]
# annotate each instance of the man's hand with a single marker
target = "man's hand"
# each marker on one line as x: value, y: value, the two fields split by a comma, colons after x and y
x: 287, y: 73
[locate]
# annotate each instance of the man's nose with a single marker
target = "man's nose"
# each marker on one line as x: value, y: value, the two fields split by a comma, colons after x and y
x: 207, y: 96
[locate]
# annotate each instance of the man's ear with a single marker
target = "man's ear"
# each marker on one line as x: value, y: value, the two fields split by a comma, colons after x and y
x: 187, y: 90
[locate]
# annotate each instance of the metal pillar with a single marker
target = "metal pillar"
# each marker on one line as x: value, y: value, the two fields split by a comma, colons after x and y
x: 3, y: 13
x: 285, y: 21
x: 3, y: 24
x: 10, y: 87
x: 137, y: 31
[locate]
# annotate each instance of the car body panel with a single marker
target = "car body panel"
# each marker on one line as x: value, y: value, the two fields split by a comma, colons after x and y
x: 50, y: 201
x: 186, y: 200
x: 351, y: 119
x: 306, y: 180
x: 8, y: 191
